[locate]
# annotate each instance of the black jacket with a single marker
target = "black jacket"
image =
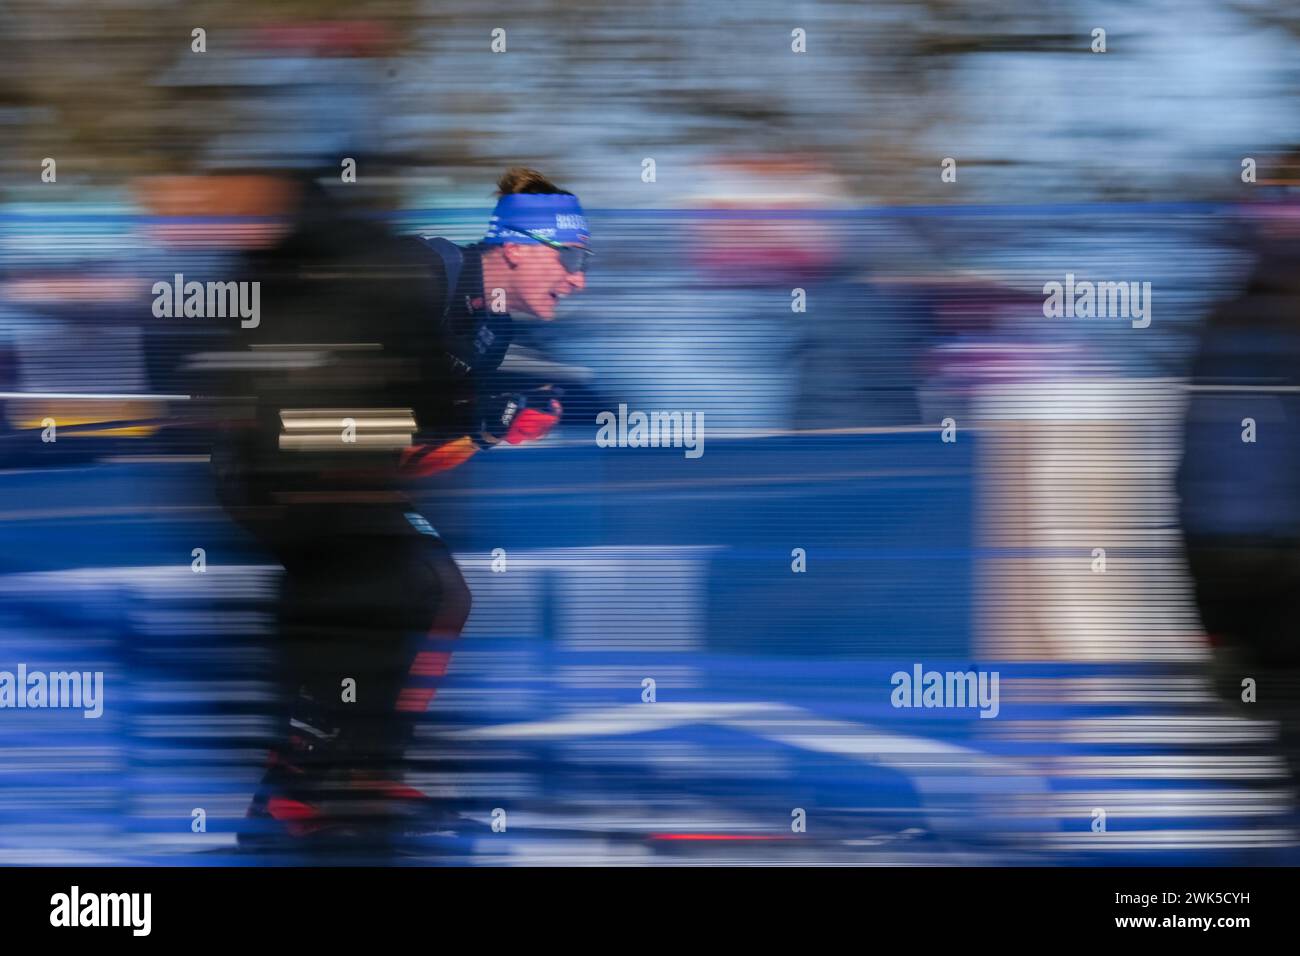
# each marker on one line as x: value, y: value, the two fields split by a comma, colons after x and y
x: 353, y: 317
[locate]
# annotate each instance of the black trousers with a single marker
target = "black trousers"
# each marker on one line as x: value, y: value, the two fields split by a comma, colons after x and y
x: 370, y: 606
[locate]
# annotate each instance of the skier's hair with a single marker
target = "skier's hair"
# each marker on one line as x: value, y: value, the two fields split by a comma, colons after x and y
x: 521, y: 179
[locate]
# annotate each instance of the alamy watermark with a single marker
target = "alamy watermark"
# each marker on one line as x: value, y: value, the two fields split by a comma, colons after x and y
x: 213, y: 300
x: 74, y: 909
x: 1098, y: 300
x: 72, y: 690
x: 922, y: 688
x: 654, y: 430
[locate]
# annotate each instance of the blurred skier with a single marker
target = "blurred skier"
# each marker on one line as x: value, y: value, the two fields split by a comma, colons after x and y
x: 374, y: 363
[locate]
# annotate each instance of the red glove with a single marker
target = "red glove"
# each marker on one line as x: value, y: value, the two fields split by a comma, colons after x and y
x: 511, y: 412
x: 532, y: 424
x: 516, y: 418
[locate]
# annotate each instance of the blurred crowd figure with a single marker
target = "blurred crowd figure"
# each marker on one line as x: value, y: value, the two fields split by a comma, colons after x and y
x: 1239, y: 480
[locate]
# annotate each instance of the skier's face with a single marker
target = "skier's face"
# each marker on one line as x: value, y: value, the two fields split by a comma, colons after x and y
x: 541, y: 280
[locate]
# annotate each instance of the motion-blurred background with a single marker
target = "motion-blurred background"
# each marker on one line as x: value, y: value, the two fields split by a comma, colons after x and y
x: 773, y: 170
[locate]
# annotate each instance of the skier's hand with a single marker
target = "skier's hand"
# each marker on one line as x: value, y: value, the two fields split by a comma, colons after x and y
x: 517, y: 417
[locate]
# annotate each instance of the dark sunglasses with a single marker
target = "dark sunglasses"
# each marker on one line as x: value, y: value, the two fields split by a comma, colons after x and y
x: 573, y: 258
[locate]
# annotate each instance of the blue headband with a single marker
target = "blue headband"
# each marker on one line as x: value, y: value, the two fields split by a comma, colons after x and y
x: 556, y: 216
